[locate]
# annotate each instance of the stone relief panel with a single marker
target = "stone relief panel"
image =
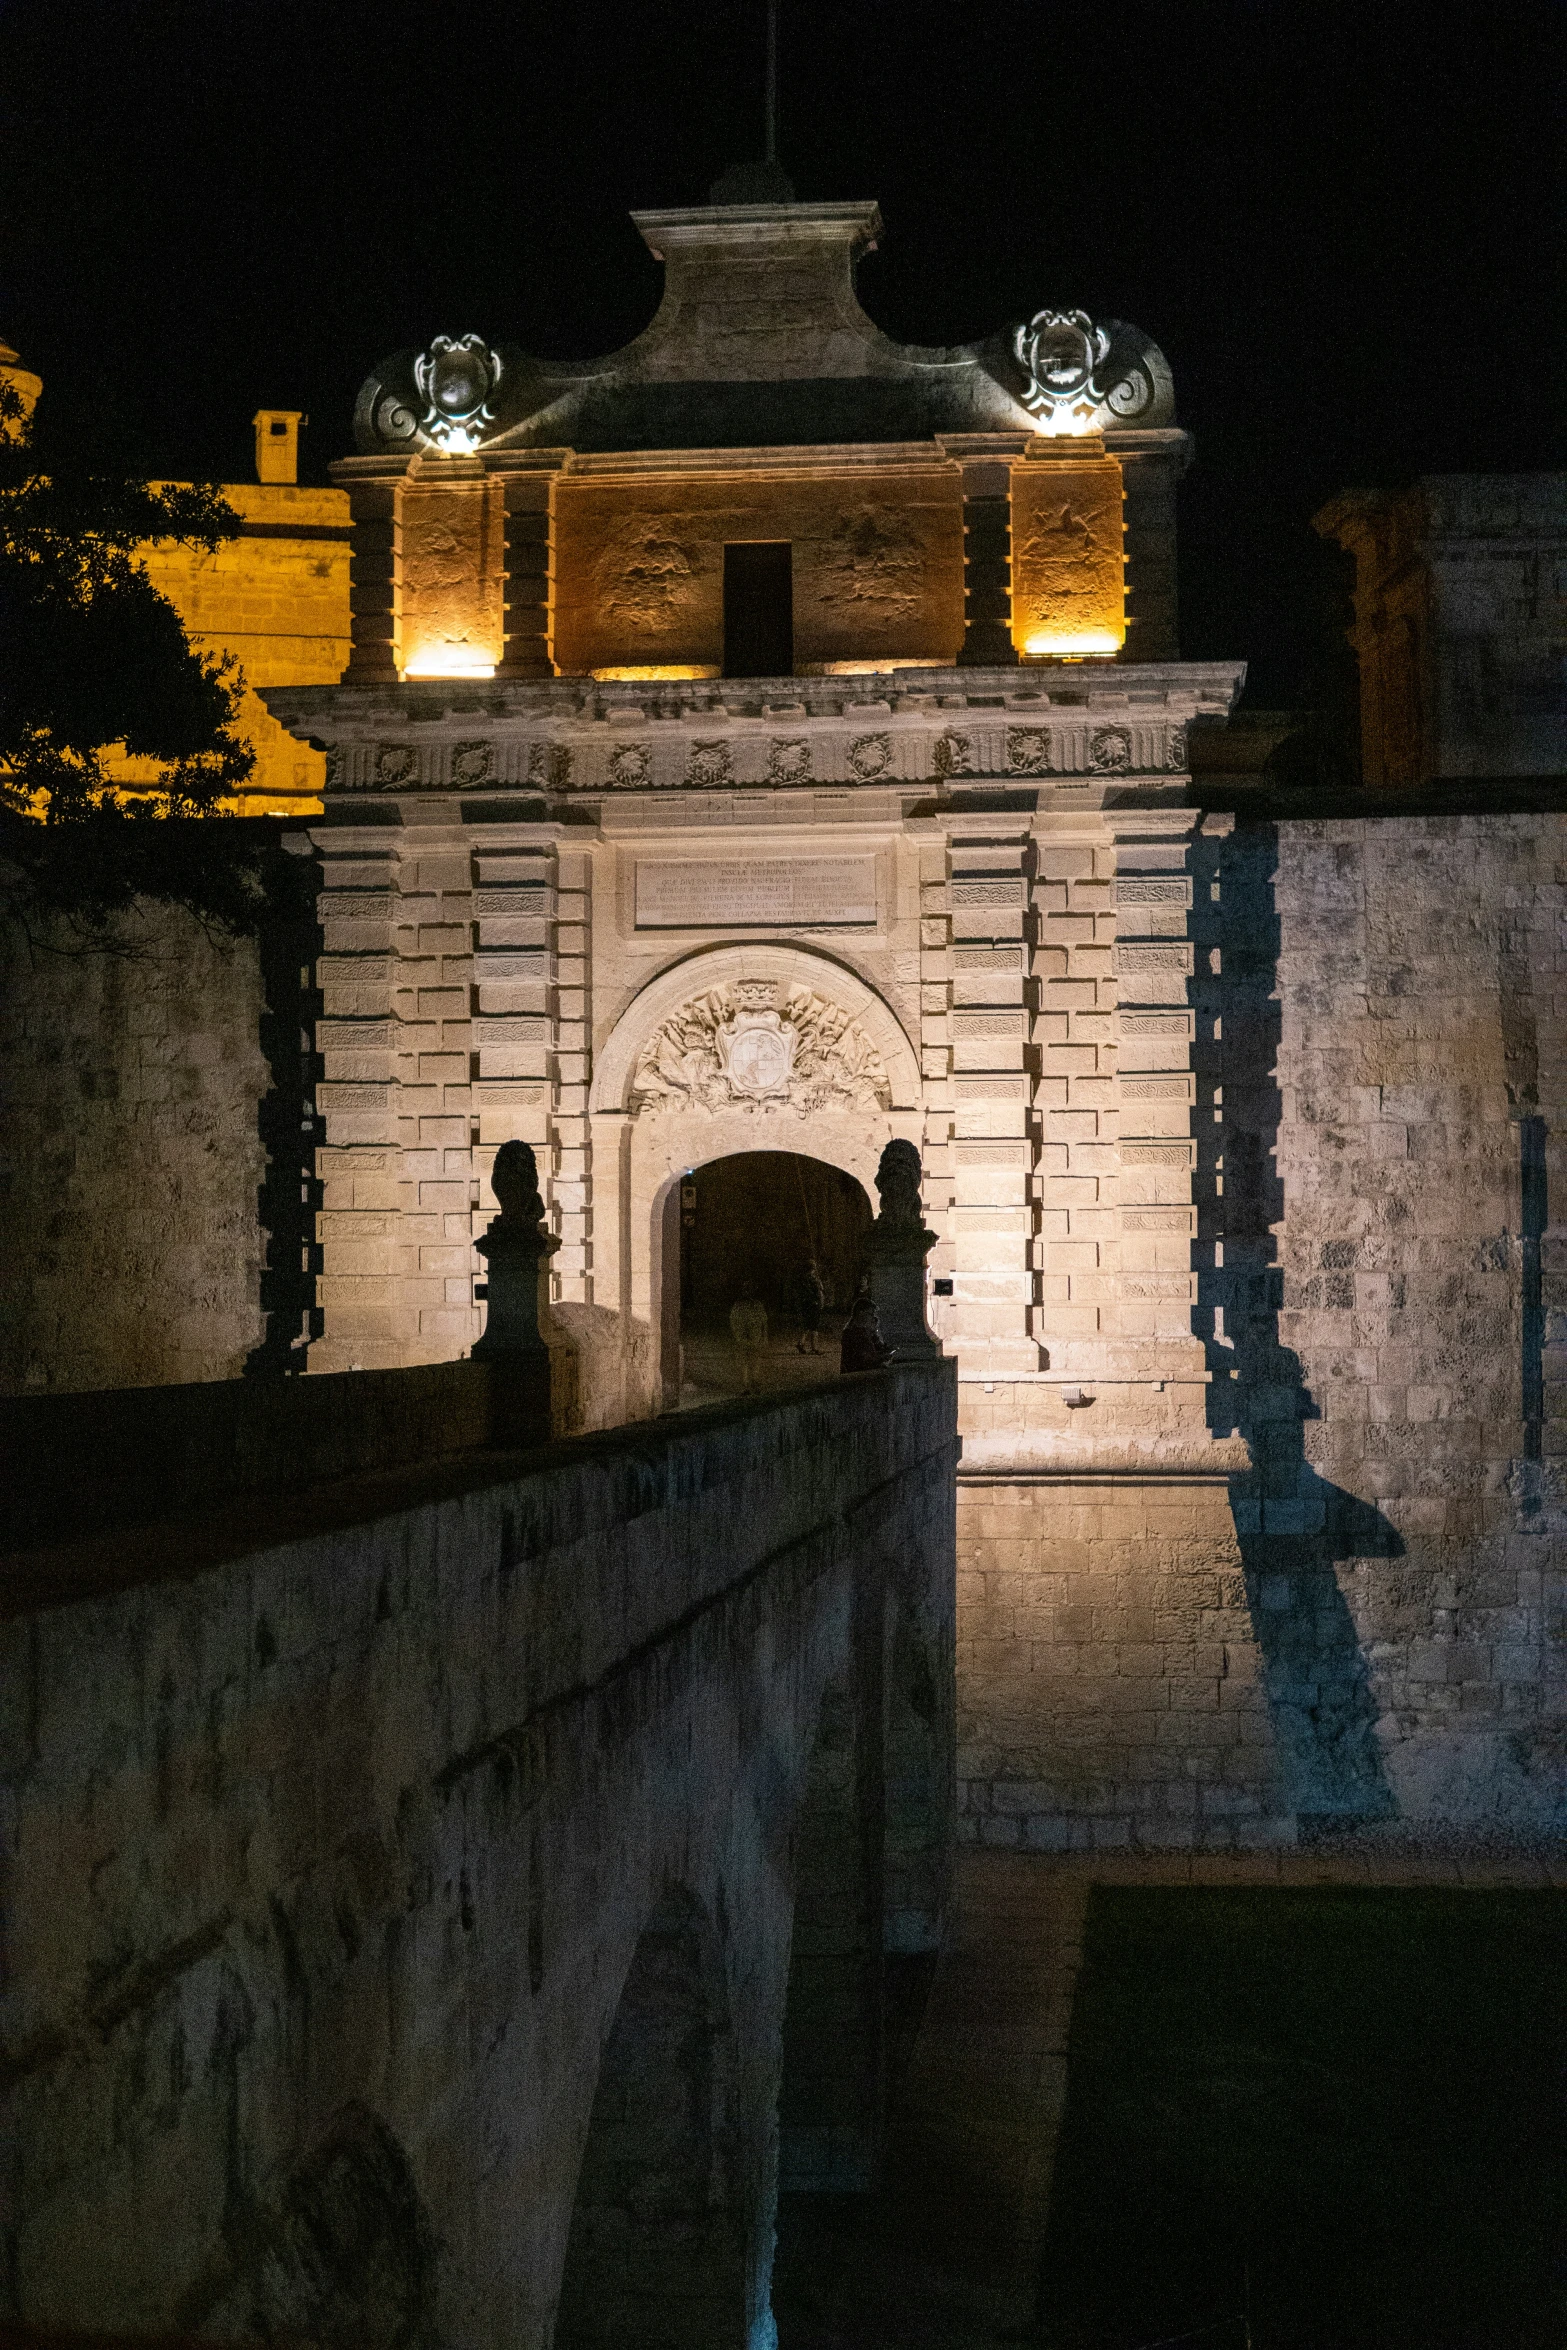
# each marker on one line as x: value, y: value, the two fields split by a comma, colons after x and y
x: 873, y: 566
x: 639, y: 565
x: 1068, y: 556
x: 645, y: 577
x: 1110, y: 750
x: 395, y: 764
x: 1028, y: 750
x: 637, y: 579
x: 878, y: 575
x: 451, y: 590
x: 762, y: 1047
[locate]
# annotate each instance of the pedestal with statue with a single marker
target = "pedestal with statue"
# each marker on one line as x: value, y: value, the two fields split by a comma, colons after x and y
x: 896, y: 1248
x: 515, y: 1249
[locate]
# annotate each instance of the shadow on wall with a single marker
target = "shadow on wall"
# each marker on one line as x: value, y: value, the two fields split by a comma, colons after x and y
x: 290, y: 1192
x: 1295, y: 1529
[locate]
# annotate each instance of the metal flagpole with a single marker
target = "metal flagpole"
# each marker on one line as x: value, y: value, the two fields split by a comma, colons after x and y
x: 772, y: 81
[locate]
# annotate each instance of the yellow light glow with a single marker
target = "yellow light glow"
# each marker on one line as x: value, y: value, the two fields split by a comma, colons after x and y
x: 448, y: 661
x: 1072, y: 645
x: 655, y: 674
x: 875, y: 667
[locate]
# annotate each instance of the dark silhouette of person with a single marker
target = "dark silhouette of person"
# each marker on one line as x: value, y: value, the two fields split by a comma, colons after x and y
x: 864, y: 1348
x: 810, y: 1300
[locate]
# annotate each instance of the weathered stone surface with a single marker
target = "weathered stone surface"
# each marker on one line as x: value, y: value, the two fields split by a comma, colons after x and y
x: 1458, y: 624
x: 131, y: 1089
x: 336, y: 1868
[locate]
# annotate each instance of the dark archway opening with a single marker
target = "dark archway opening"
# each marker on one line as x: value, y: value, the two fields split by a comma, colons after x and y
x: 748, y: 1228
x: 655, y: 2254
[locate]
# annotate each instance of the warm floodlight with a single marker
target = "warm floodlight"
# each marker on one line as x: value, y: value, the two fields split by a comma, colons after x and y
x: 1072, y: 645
x: 448, y: 661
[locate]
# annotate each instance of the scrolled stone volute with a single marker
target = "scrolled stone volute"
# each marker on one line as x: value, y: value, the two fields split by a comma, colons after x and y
x: 513, y: 1249
x: 896, y: 1248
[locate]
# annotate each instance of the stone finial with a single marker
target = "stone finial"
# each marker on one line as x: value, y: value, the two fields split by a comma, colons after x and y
x: 513, y: 1249
x: 896, y: 1248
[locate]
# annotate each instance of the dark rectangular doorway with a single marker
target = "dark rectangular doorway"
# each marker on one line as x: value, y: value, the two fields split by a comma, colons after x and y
x: 759, y: 609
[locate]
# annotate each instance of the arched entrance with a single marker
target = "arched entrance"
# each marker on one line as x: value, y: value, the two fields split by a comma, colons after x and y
x: 730, y: 1047
x: 741, y: 1233
x: 655, y: 2254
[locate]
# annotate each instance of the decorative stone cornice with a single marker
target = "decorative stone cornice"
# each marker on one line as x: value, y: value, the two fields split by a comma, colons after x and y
x: 948, y: 732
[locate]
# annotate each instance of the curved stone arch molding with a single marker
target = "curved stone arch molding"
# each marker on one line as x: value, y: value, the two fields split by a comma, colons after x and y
x: 718, y: 966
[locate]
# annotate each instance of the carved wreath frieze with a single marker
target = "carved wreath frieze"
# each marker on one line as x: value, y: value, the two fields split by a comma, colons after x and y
x: 870, y: 756
x: 789, y: 762
x: 471, y: 763
x: 1110, y: 750
x: 759, y: 1046
x: 709, y: 764
x: 395, y: 763
x: 630, y: 764
x: 1028, y: 750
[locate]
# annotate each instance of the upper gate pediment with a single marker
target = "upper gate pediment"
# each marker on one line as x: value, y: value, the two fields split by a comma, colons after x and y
x: 760, y: 341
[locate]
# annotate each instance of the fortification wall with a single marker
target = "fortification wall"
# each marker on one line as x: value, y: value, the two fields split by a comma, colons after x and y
x: 131, y: 1158
x: 1366, y: 1623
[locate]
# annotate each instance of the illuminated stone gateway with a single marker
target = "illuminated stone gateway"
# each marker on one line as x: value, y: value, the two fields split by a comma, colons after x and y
x: 834, y: 703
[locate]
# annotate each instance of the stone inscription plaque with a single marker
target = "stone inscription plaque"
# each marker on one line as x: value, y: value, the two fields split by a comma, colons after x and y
x: 767, y: 893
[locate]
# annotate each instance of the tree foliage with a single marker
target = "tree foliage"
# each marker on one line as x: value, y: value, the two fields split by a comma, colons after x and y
x: 93, y: 657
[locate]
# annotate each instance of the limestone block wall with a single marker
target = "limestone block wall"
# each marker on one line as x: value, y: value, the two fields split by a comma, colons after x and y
x: 276, y: 598
x: 1458, y: 623
x: 454, y: 985
x: 131, y: 1158
x: 1337, y: 1597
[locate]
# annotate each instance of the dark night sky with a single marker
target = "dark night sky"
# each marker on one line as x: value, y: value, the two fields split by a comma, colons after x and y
x: 1342, y: 222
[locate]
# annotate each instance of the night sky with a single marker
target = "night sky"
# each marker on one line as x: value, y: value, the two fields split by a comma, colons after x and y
x: 1342, y: 222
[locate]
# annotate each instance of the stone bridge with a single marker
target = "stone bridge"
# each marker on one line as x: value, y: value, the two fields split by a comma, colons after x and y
x: 442, y: 1905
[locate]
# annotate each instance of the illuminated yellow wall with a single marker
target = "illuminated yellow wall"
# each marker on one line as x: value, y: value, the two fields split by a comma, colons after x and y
x: 1068, y: 550
x: 277, y: 598
x: 451, y: 530
x: 639, y: 564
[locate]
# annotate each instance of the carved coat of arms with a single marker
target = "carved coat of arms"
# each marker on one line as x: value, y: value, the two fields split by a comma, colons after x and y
x: 737, y: 1048
x: 756, y: 1047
